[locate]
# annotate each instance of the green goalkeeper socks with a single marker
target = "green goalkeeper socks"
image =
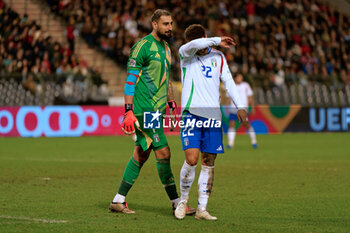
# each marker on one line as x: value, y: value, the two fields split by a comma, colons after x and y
x: 130, y: 175
x: 167, y: 178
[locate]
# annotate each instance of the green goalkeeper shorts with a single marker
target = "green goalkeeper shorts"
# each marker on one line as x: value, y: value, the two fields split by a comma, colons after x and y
x: 150, y: 138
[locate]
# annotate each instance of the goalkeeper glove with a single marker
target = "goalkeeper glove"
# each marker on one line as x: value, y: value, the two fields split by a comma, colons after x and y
x: 129, y: 120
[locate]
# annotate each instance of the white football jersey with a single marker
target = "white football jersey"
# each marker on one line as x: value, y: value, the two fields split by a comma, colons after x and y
x: 201, y: 75
x: 244, y: 91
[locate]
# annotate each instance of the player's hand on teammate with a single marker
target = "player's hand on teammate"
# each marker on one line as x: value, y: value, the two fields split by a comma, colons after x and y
x: 226, y: 42
x: 128, y: 123
x: 243, y: 118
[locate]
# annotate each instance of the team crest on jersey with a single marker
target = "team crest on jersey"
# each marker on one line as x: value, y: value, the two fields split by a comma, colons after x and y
x: 186, y: 141
x: 156, y: 137
x: 132, y: 63
x: 214, y: 63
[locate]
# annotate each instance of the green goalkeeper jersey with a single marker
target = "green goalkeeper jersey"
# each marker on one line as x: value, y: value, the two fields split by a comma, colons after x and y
x: 151, y: 59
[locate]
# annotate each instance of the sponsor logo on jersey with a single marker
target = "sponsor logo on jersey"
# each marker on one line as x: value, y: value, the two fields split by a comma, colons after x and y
x: 219, y: 148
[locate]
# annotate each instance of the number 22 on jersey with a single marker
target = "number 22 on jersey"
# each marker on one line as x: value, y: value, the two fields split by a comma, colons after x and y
x: 206, y: 71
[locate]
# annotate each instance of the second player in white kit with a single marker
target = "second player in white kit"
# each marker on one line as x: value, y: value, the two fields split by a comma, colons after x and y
x: 246, y: 95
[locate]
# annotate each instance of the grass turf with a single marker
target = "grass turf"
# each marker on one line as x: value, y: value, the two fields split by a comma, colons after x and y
x: 291, y: 183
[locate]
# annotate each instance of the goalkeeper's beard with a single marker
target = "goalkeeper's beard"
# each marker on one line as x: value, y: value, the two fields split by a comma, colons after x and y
x: 164, y: 36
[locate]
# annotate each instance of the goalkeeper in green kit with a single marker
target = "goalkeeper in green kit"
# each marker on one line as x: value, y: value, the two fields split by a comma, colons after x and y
x: 146, y: 94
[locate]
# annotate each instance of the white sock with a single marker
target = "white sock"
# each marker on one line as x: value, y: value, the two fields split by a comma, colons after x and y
x: 119, y: 198
x: 252, y: 135
x: 187, y: 175
x: 205, y: 185
x: 231, y: 136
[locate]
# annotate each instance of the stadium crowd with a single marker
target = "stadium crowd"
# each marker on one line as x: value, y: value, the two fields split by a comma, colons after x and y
x: 31, y: 56
x: 280, y: 41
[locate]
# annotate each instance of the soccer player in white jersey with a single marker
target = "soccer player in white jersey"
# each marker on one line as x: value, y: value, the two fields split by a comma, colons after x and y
x: 246, y: 94
x: 202, y: 69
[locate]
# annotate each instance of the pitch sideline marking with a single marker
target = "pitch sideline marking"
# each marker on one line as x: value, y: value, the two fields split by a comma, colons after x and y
x: 33, y: 219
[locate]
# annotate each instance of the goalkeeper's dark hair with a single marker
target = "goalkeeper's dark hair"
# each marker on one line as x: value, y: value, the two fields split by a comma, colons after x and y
x: 194, y: 31
x: 158, y: 13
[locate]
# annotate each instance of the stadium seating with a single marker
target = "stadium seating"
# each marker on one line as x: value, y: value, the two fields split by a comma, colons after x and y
x: 289, y: 51
x: 292, y: 42
x: 35, y: 70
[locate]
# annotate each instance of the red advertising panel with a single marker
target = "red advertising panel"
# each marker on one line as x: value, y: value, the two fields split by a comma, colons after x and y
x: 75, y: 121
x: 60, y: 121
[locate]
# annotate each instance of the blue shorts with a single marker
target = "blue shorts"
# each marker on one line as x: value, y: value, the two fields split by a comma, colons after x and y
x: 207, y: 139
x: 232, y: 117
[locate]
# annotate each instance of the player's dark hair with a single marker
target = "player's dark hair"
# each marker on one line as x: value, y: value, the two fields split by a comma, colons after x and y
x: 158, y: 13
x: 194, y: 31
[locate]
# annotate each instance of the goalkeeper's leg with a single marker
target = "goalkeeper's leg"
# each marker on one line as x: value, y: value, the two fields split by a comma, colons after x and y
x: 167, y: 178
x: 165, y: 174
x: 130, y: 175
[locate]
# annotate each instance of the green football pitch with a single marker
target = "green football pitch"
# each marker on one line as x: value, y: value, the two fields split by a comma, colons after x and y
x: 291, y: 183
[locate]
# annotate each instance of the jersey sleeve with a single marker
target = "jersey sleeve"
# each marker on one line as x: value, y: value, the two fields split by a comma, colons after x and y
x: 231, y: 88
x: 189, y: 49
x: 138, y: 56
x: 137, y: 59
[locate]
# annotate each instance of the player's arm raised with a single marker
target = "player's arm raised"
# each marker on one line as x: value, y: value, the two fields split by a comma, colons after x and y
x: 232, y: 91
x: 189, y: 49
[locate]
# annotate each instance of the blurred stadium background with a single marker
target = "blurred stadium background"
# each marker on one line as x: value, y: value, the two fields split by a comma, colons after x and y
x: 62, y: 73
x: 75, y: 51
x: 294, y: 53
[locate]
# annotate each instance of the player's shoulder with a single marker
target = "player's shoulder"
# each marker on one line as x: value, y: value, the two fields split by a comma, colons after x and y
x: 244, y: 83
x: 140, y: 45
x: 144, y: 41
x: 217, y: 52
x: 246, y: 86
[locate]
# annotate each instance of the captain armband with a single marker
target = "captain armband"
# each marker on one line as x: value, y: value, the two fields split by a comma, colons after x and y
x: 131, y: 78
